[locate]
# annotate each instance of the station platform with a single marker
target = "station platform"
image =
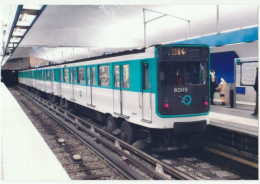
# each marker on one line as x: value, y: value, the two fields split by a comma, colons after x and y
x: 24, y: 153
x: 238, y: 119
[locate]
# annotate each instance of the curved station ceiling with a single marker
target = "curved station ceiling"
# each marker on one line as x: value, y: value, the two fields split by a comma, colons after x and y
x: 68, y: 32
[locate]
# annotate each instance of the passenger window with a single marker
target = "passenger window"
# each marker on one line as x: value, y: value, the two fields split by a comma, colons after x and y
x: 88, y: 73
x: 126, y: 76
x: 116, y: 76
x: 93, y: 75
x: 81, y: 76
x: 145, y: 72
x: 66, y: 75
x: 104, y: 79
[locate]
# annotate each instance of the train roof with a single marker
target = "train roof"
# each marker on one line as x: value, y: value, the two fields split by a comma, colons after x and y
x: 121, y: 53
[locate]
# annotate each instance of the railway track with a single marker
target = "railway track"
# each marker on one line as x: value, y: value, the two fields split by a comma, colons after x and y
x: 130, y: 161
x: 127, y: 161
x: 78, y: 160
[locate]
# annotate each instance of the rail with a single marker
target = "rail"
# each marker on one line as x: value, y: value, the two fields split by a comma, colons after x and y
x: 104, y: 143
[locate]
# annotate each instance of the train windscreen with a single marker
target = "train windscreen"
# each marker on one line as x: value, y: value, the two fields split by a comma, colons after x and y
x: 182, y: 80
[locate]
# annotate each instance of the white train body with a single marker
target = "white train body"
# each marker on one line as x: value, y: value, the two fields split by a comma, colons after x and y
x: 138, y: 102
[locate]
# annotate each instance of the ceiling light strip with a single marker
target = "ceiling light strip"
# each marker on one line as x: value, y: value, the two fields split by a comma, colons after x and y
x: 16, y: 18
x: 39, y: 12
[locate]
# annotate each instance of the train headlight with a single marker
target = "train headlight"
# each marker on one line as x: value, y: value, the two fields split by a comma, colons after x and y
x: 166, y: 105
x: 206, y: 103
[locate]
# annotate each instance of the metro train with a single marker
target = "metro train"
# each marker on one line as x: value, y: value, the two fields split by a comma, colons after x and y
x: 152, y: 93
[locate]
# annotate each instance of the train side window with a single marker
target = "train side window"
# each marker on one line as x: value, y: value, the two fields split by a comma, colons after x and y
x: 93, y: 75
x: 88, y: 74
x: 145, y: 73
x: 66, y: 75
x: 81, y: 76
x: 104, y: 78
x: 116, y: 76
x: 126, y: 76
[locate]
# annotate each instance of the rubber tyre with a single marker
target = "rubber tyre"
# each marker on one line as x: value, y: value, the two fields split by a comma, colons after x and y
x: 128, y: 132
x: 110, y: 124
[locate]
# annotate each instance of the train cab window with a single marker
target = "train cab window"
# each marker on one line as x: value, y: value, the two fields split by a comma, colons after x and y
x: 145, y: 73
x: 126, y: 76
x: 93, y: 75
x: 88, y: 74
x: 81, y: 76
x: 104, y: 78
x: 179, y: 73
x: 66, y: 74
x: 116, y: 76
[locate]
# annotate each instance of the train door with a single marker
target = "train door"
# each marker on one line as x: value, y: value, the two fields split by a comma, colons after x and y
x: 34, y: 78
x: 45, y: 80
x: 58, y: 80
x: 52, y: 79
x: 89, y: 86
x: 73, y: 81
x: 117, y: 92
x: 146, y: 93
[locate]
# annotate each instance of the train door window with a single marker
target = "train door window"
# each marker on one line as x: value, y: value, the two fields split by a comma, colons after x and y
x: 145, y: 73
x: 93, y: 75
x: 88, y: 74
x: 104, y: 78
x: 116, y: 76
x: 53, y: 78
x: 61, y: 75
x: 73, y: 75
x: 81, y: 76
x: 66, y: 75
x: 48, y: 75
x: 41, y: 75
x: 126, y: 76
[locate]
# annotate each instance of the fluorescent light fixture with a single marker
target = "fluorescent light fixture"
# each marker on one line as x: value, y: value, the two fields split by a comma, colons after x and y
x: 14, y: 39
x: 32, y: 7
x: 24, y: 17
x: 209, y: 34
x: 10, y: 45
x: 256, y: 25
x: 25, y: 20
x: 229, y: 30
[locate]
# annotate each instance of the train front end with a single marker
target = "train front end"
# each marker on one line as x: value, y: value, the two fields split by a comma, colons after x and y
x: 182, y: 96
